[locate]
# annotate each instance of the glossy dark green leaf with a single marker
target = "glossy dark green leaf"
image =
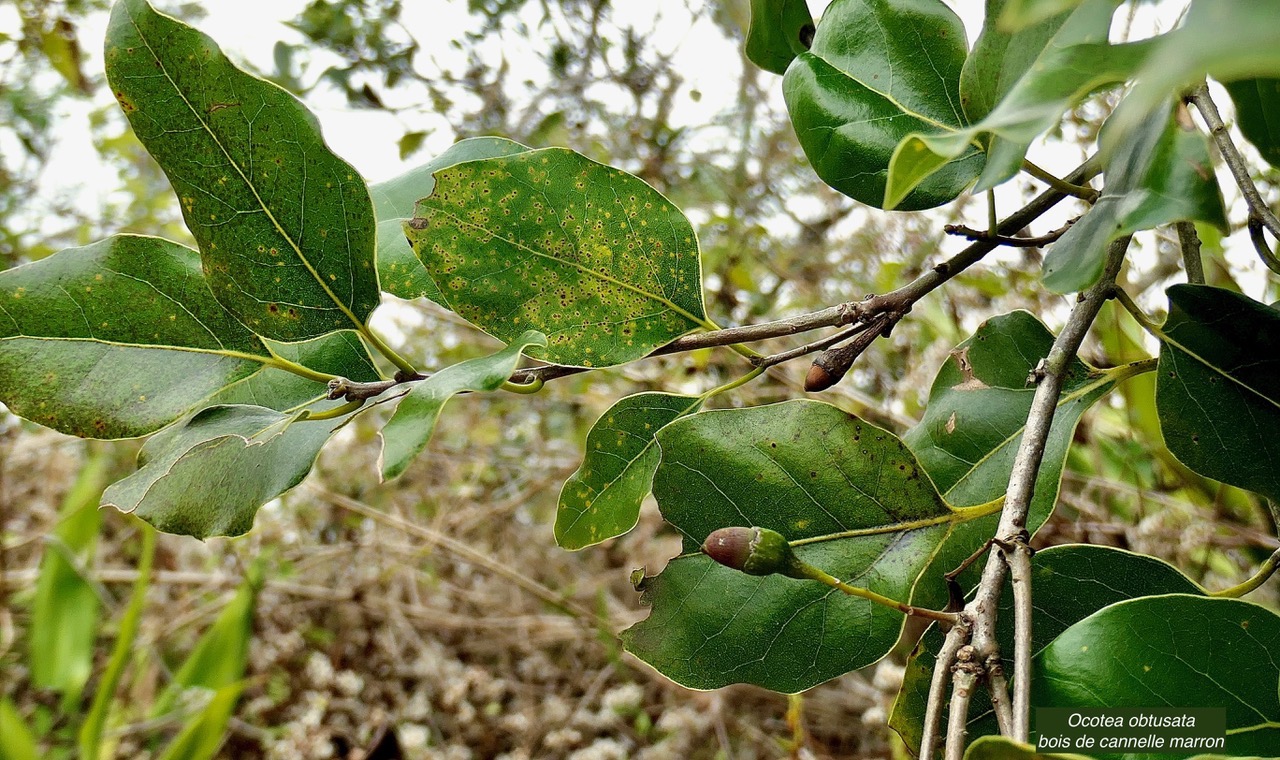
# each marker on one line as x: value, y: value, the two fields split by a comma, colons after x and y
x: 779, y: 32
x: 601, y: 263
x: 602, y: 498
x: 1176, y: 650
x: 848, y: 495
x: 409, y: 430
x: 116, y: 339
x: 1075, y: 61
x: 66, y: 609
x: 1218, y: 386
x: 877, y: 72
x: 285, y: 227
x: 208, y: 476
x: 973, y: 426
x: 399, y: 270
x: 1004, y: 748
x: 1156, y: 174
x: 1068, y: 583
x: 340, y: 353
x: 1258, y: 114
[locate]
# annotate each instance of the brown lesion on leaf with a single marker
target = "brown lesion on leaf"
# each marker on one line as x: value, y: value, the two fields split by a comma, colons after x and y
x: 970, y: 383
x: 216, y: 107
x: 126, y: 103
x: 950, y: 427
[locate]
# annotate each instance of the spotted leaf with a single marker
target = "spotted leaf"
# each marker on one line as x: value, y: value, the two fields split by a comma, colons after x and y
x: 285, y: 227
x: 598, y: 261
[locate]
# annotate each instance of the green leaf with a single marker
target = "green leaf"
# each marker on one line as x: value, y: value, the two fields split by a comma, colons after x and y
x: 66, y: 608
x: 1175, y: 650
x: 1068, y: 583
x: 848, y: 495
x: 411, y: 143
x: 1258, y: 114
x: 340, y: 353
x: 285, y: 227
x: 16, y: 740
x: 1075, y: 61
x: 550, y: 240
x: 209, y: 476
x: 778, y: 32
x: 116, y: 339
x: 1017, y: 15
x: 1218, y: 386
x: 973, y: 426
x: 1001, y: 58
x: 602, y: 498
x: 398, y: 267
x: 204, y: 734
x: 1004, y: 748
x: 877, y: 72
x: 219, y: 658
x: 1156, y: 174
x: 409, y: 430
x: 1225, y: 39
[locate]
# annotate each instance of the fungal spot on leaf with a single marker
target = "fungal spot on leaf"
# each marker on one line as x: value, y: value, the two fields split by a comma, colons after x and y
x: 950, y: 427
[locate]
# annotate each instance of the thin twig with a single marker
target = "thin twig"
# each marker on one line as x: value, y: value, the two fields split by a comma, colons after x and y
x: 984, y: 607
x: 1019, y: 559
x: 1189, y: 242
x: 958, y: 637
x: 853, y: 312
x: 1259, y: 237
x: 1068, y: 185
x: 809, y: 348
x: 966, y: 676
x: 999, y: 688
x: 970, y: 233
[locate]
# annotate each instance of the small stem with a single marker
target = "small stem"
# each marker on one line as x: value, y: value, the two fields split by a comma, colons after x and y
x: 281, y: 363
x: 752, y: 375
x: 528, y: 389
x: 970, y: 233
x: 993, y: 222
x: 1262, y: 576
x: 945, y: 618
x: 998, y: 685
x: 334, y: 413
x: 1019, y: 558
x: 958, y: 637
x: 1258, y: 235
x: 1258, y: 208
x: 1139, y: 316
x: 808, y: 348
x: 1061, y: 185
x: 1189, y: 242
x: 963, y: 683
x: 381, y: 347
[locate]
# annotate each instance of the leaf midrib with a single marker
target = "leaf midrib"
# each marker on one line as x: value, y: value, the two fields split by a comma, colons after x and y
x: 240, y: 172
x: 266, y: 360
x: 1168, y: 340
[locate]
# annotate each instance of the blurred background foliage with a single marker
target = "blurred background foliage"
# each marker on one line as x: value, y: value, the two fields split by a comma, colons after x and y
x: 435, y: 617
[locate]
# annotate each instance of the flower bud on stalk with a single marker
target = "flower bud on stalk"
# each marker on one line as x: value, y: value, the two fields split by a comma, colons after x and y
x: 754, y: 551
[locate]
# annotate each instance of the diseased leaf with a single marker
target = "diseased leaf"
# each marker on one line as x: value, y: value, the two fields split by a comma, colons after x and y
x: 209, y: 476
x: 550, y: 240
x: 1176, y: 650
x: 973, y: 426
x: 848, y: 496
x: 1156, y: 174
x: 399, y: 270
x: 340, y: 353
x: 409, y: 430
x: 779, y: 32
x: 116, y: 339
x: 1258, y: 114
x: 877, y: 72
x: 285, y: 227
x: 1218, y: 386
x: 602, y: 498
x: 1075, y: 62
x: 1068, y: 583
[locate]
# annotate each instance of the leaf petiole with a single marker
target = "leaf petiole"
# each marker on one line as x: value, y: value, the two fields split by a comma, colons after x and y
x: 528, y: 389
x: 334, y: 413
x: 387, y: 351
x: 1252, y: 584
x: 752, y: 375
x: 1061, y: 185
x: 813, y: 573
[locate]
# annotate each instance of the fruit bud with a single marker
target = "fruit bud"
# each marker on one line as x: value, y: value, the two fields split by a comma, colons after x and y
x: 754, y: 551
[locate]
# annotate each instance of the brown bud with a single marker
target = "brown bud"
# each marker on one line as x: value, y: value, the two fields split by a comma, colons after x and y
x: 754, y: 551
x: 818, y: 379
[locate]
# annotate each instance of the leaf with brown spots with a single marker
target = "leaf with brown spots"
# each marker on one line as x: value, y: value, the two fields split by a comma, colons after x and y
x: 550, y: 240
x: 285, y: 227
x: 117, y: 339
x: 973, y: 426
x: 850, y: 498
